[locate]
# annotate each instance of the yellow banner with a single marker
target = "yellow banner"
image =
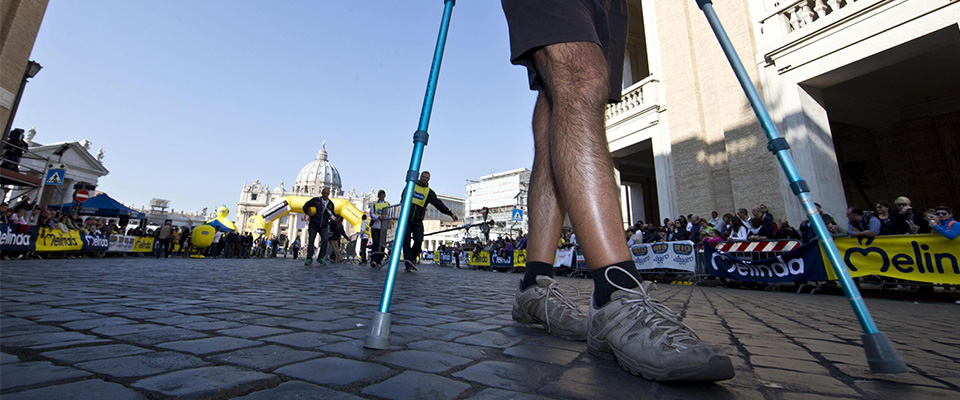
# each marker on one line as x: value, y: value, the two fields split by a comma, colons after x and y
x: 143, y: 245
x: 519, y: 258
x: 921, y: 258
x: 58, y: 240
x: 436, y: 256
x: 480, y: 258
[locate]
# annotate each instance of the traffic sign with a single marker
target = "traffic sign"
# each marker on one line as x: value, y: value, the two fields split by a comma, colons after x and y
x: 517, y: 214
x: 81, y: 195
x: 54, y: 177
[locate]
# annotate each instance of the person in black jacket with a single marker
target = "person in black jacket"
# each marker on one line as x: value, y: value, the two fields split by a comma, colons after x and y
x: 422, y: 194
x: 320, y: 210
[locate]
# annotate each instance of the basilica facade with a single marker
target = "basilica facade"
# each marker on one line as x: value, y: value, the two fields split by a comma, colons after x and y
x: 312, y: 179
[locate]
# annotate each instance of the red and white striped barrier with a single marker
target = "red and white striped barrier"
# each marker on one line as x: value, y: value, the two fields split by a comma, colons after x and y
x: 775, y: 245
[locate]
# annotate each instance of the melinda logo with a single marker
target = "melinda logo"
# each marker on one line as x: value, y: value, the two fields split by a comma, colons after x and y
x: 924, y: 260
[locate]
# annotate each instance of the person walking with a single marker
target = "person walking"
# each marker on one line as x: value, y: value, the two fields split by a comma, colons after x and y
x: 165, y: 237
x: 422, y: 195
x: 320, y: 210
x: 364, y: 237
x: 376, y: 240
x: 295, y: 248
x: 573, y: 52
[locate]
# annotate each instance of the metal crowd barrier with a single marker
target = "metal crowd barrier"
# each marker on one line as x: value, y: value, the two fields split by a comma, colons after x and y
x: 751, y: 251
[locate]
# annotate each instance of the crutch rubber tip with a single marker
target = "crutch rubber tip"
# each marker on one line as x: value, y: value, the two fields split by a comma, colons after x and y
x: 882, y: 357
x: 379, y: 336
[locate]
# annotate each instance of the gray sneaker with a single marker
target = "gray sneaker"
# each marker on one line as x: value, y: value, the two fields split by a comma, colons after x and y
x: 544, y: 304
x: 647, y: 339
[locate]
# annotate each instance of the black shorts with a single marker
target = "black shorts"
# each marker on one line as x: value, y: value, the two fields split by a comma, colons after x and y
x: 537, y: 23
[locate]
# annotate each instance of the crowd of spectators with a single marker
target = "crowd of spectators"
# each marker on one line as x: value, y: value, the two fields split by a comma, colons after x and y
x: 899, y: 218
x: 26, y: 214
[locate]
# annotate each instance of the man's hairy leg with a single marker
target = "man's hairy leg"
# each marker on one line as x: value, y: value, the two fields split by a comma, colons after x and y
x: 576, y: 79
x: 544, y: 207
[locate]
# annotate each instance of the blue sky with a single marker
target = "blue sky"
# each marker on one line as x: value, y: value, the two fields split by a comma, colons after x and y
x: 190, y: 99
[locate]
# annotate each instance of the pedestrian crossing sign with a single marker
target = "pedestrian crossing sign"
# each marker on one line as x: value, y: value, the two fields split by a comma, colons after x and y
x: 54, y: 177
x: 517, y: 214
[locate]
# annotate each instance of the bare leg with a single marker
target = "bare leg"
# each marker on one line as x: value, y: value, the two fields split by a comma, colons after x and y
x: 576, y: 79
x: 544, y: 207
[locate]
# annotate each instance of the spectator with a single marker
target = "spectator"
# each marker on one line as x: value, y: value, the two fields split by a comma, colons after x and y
x: 913, y: 218
x: 713, y: 236
x: 214, y: 246
x: 295, y: 248
x: 738, y: 232
x: 715, y: 220
x: 725, y: 225
x: 8, y: 216
x: 165, y: 238
x: 890, y: 222
x: 759, y: 231
x: 13, y: 150
x: 786, y: 231
x: 695, y: 228
x: 768, y: 219
x: 744, y: 217
x: 944, y: 223
x: 186, y: 245
x: 862, y: 224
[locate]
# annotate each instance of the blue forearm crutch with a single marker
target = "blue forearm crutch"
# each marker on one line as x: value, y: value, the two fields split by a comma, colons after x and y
x: 881, y: 355
x: 379, y: 336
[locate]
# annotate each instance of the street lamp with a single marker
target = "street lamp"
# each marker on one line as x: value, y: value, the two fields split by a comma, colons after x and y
x: 32, y: 68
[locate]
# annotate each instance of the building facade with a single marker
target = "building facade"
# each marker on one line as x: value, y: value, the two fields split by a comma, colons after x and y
x: 500, y: 193
x: 19, y: 24
x: 81, y: 170
x: 865, y: 92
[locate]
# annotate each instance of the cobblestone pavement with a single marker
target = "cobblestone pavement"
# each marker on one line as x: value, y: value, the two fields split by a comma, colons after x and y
x: 273, y: 329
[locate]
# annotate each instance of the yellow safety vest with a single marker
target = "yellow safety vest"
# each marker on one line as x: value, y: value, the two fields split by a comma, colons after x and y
x: 420, y: 194
x: 366, y: 230
x: 379, y: 206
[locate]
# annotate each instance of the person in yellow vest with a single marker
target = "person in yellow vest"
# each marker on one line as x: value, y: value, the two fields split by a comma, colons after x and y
x: 422, y: 195
x: 364, y: 237
x: 376, y: 240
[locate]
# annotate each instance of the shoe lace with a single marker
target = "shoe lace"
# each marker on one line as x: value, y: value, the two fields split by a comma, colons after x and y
x: 554, y: 290
x: 658, y: 316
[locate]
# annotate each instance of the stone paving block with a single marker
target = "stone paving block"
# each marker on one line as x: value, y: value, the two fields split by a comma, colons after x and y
x: 33, y: 328
x: 500, y: 394
x: 468, y: 326
x: 90, y: 353
x: 39, y: 341
x: 335, y: 371
x: 9, y: 322
x: 213, y: 325
x: 298, y: 390
x: 142, y: 364
x: 149, y: 314
x: 608, y: 381
x: 895, y: 391
x: 790, y: 364
x: 417, y: 385
x: 504, y: 375
x: 809, y: 396
x: 209, y: 345
x: 305, y: 340
x: 70, y: 315
x: 205, y: 382
x: 265, y: 358
x: 543, y: 354
x: 490, y: 339
x: 8, y: 358
x: 421, y: 332
x: 555, y: 342
x: 462, y: 350
x: 125, y: 329
x: 94, y: 323
x: 798, y: 381
x: 26, y: 374
x: 271, y: 321
x: 241, y: 317
x: 355, y: 349
x: 82, y: 390
x: 313, y: 326
x: 156, y: 336
x: 179, y: 319
x: 251, y: 332
x: 423, y: 360
x: 420, y: 321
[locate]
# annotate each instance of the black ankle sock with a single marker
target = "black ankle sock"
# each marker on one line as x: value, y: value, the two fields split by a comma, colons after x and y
x: 602, y: 289
x: 533, y: 269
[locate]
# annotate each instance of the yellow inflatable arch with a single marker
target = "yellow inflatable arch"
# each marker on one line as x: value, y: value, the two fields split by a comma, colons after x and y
x: 260, y: 223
